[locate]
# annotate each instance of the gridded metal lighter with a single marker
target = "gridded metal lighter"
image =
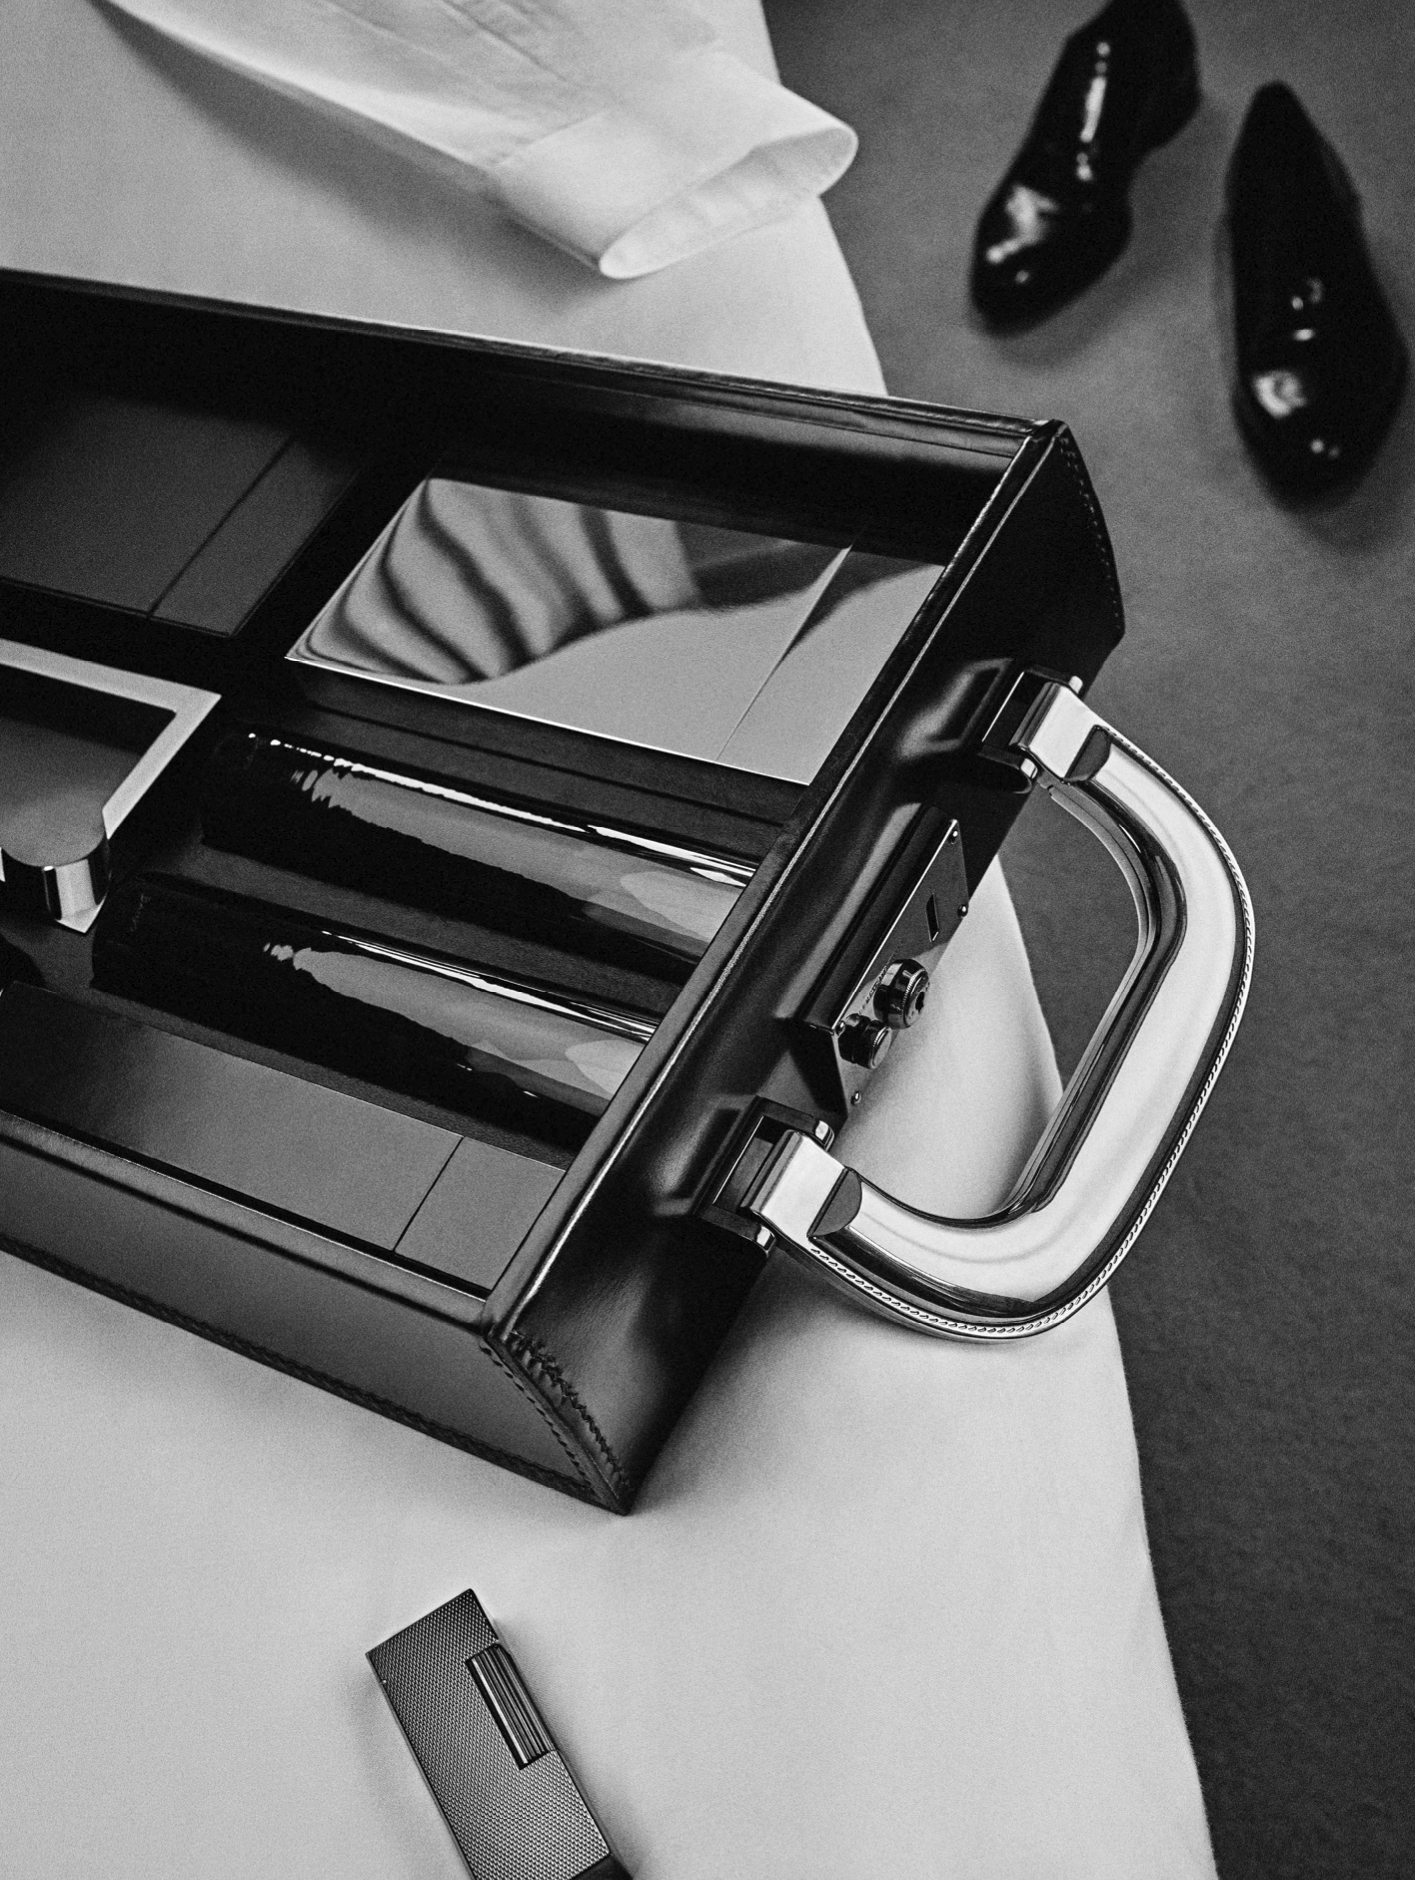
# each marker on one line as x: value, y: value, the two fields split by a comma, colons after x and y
x: 514, y: 1809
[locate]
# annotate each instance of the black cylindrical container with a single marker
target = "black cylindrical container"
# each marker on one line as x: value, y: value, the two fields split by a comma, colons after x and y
x: 506, y: 1049
x: 608, y: 893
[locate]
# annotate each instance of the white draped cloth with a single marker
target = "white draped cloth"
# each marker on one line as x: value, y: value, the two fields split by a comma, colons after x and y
x: 885, y: 1606
x: 627, y: 134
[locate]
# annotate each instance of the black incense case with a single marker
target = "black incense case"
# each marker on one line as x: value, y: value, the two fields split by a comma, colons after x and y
x: 582, y: 770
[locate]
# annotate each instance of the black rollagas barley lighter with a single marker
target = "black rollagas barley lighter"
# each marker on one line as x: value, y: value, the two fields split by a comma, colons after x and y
x: 512, y: 1805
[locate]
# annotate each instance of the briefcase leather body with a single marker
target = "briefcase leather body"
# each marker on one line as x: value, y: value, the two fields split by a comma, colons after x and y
x: 183, y: 488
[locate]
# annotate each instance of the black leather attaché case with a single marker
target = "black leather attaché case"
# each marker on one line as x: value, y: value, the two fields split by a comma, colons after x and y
x: 185, y: 488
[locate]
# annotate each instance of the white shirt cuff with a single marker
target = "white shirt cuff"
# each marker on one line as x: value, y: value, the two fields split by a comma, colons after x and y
x: 707, y: 150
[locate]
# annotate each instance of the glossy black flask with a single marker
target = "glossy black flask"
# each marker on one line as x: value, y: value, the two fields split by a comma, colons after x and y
x: 448, y: 1032
x: 606, y: 892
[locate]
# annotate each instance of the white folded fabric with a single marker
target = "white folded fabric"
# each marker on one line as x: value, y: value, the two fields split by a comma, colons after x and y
x: 623, y: 131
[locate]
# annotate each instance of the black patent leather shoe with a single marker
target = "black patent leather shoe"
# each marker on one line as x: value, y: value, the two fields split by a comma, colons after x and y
x: 1320, y: 361
x: 1125, y: 84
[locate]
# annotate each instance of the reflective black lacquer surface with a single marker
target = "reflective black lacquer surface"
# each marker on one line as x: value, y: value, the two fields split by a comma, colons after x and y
x: 731, y: 646
x: 432, y: 1028
x: 1125, y: 83
x: 631, y: 898
x: 317, y: 1155
x: 1321, y: 363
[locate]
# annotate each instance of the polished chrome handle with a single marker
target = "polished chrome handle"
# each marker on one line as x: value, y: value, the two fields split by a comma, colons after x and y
x: 1131, y: 1104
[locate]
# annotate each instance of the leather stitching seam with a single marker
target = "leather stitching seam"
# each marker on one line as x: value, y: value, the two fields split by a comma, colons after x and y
x: 1071, y: 458
x: 538, y: 1405
x: 539, y: 1362
x: 304, y: 1373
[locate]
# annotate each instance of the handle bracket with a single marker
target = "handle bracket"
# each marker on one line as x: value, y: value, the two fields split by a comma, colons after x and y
x: 1130, y: 1106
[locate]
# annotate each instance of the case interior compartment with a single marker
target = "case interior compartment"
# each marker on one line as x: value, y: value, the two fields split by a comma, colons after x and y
x: 160, y: 509
x: 52, y: 1042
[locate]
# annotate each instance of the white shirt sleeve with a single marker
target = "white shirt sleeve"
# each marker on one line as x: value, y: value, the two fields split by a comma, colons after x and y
x: 623, y: 131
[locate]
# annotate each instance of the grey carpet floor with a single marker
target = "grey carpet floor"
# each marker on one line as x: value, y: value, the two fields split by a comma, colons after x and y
x: 1267, y: 1316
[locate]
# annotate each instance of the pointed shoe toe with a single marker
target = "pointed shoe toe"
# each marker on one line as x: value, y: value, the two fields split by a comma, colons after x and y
x: 1031, y: 257
x: 1312, y: 437
x: 1320, y: 362
x: 1125, y: 83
